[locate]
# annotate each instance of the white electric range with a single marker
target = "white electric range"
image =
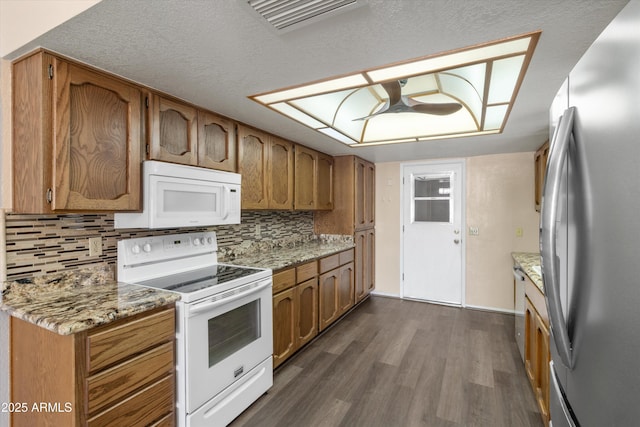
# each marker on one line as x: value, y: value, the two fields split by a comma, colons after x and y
x: 224, y: 341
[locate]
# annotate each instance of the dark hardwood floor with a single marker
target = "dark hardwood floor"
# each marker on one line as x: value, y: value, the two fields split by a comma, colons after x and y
x: 403, y: 363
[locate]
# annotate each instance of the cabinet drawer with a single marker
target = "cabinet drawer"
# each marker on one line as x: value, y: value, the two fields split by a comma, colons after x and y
x: 346, y: 257
x: 108, y: 346
x: 117, y: 382
x: 306, y: 271
x: 284, y: 280
x: 155, y: 402
x: 329, y: 263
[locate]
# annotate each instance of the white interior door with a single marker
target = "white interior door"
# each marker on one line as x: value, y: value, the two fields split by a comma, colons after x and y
x: 432, y: 225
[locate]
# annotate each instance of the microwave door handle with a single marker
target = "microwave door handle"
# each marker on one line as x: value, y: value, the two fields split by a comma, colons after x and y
x: 209, y: 305
x: 548, y: 233
x: 227, y: 201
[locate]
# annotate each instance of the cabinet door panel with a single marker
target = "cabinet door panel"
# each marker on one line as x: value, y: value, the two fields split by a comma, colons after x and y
x: 346, y: 288
x: 328, y: 298
x: 280, y: 174
x: 113, y: 384
x: 325, y: 182
x: 284, y: 333
x: 96, y: 142
x: 216, y: 142
x: 307, y: 311
x: 360, y: 265
x: 252, y: 165
x: 173, y: 131
x: 305, y: 166
x: 370, y: 263
x: 530, y: 342
x: 142, y: 408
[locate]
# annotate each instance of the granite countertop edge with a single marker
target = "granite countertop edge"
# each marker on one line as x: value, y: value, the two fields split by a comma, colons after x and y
x: 527, y: 260
x: 281, y: 258
x: 78, y: 300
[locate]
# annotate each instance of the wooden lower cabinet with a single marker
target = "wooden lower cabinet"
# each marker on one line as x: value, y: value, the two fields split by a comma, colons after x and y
x: 364, y: 263
x: 307, y: 311
x: 537, y: 355
x: 118, y: 374
x: 284, y: 326
x: 295, y: 310
x: 305, y: 303
x: 336, y: 287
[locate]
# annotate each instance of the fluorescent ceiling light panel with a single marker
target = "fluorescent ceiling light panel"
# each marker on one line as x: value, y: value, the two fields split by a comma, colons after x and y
x: 465, y: 92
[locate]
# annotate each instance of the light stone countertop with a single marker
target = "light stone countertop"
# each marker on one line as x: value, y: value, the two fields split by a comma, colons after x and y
x: 77, y: 300
x: 529, y: 261
x: 283, y: 257
x: 71, y: 302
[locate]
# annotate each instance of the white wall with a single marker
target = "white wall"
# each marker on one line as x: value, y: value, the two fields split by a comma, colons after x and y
x: 499, y: 200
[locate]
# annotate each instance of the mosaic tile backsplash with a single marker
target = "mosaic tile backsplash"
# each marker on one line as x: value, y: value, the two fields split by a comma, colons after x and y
x: 43, y: 244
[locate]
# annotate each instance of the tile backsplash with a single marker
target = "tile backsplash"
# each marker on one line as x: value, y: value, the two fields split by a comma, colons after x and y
x: 42, y: 244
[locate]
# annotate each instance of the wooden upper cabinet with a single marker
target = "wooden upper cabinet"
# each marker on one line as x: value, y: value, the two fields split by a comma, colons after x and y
x: 173, y: 132
x: 216, y: 142
x: 280, y: 167
x: 364, y: 194
x: 353, y: 199
x: 253, y: 155
x: 306, y: 172
x: 324, y: 186
x: 77, y: 138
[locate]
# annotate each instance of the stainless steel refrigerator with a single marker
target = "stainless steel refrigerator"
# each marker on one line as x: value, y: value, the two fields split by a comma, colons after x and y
x: 590, y: 233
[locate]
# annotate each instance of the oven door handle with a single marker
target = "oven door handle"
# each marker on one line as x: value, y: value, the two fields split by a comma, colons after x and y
x: 209, y: 305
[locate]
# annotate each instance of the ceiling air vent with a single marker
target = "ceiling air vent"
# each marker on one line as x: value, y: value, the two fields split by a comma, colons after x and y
x: 287, y: 15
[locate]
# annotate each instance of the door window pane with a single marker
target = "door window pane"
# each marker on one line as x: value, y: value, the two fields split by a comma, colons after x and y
x: 432, y: 210
x: 432, y: 198
x: 432, y: 187
x: 233, y: 330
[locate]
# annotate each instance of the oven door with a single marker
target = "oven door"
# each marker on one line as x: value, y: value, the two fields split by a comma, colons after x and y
x: 226, y: 336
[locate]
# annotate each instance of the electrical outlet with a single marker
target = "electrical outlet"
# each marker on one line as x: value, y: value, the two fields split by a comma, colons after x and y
x: 258, y: 230
x: 473, y: 231
x: 95, y: 246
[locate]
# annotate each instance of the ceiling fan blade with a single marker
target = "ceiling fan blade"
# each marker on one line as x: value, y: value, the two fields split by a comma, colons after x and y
x: 394, y: 90
x: 436, y: 109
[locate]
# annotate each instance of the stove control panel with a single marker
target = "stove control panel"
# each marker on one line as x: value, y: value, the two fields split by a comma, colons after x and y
x: 153, y: 249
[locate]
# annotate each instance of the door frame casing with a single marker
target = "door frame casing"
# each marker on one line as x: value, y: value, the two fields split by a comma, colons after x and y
x: 463, y: 222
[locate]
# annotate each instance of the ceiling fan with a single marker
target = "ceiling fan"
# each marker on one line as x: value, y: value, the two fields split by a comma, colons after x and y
x: 398, y: 103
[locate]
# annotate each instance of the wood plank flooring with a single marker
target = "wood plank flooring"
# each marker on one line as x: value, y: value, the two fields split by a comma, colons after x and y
x: 394, y: 362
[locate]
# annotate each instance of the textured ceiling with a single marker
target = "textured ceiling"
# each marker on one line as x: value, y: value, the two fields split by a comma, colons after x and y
x: 216, y: 53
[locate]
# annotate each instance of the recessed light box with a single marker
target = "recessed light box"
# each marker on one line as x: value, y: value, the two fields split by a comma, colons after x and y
x: 464, y: 92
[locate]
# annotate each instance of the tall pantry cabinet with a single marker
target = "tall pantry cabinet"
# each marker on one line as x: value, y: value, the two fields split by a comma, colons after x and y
x: 354, y: 214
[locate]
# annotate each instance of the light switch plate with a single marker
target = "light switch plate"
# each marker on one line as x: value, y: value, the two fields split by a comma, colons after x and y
x: 95, y: 246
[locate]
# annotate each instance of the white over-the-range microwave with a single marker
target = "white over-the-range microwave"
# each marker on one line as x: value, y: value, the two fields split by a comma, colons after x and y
x: 184, y: 196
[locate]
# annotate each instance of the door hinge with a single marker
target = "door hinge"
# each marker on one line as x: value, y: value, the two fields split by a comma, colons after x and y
x: 50, y: 71
x: 49, y: 195
x: 403, y: 277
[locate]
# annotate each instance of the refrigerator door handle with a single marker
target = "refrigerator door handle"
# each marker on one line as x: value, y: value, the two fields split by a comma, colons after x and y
x: 548, y: 232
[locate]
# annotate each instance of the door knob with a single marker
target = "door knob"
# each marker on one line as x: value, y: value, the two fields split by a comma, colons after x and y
x: 456, y: 241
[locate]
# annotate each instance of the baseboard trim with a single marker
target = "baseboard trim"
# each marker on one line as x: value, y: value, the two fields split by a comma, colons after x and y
x: 384, y: 294
x: 469, y: 306
x: 493, y: 309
